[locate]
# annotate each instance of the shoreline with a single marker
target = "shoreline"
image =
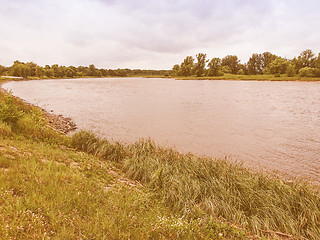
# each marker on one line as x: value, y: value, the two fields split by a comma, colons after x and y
x: 59, y: 123
x: 65, y: 125
x: 226, y: 77
x: 234, y: 78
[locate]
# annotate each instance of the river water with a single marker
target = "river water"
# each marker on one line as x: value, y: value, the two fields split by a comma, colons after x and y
x: 274, y: 126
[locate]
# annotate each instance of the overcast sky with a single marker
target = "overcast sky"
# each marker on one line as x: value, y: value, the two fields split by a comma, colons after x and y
x: 153, y: 34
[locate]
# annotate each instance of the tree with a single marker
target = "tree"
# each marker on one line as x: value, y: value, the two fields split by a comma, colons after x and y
x: 40, y: 72
x: 91, y: 71
x: 104, y: 72
x: 214, y: 67
x: 267, y: 58
x: 71, y: 72
x: 32, y: 68
x: 175, y: 70
x: 306, y: 59
x: 49, y: 72
x: 243, y: 69
x: 317, y: 62
x: 255, y: 64
x: 56, y: 71
x: 199, y: 67
x: 291, y: 71
x: 19, y: 69
x: 186, y: 66
x: 232, y: 62
x: 278, y: 66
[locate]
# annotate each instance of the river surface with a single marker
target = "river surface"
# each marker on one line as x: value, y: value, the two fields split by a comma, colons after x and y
x: 274, y: 126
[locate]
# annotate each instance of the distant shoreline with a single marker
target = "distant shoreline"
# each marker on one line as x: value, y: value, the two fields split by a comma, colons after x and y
x: 226, y: 77
x: 271, y: 78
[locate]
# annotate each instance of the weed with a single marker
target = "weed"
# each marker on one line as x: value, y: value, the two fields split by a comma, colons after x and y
x: 9, y: 113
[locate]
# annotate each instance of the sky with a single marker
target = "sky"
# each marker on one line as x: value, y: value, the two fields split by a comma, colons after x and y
x: 153, y: 34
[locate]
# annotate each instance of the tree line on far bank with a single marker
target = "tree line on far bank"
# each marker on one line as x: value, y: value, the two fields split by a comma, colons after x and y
x: 30, y: 69
x: 307, y: 64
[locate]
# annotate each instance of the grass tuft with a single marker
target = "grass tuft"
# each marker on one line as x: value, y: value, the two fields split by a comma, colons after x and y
x: 218, y: 188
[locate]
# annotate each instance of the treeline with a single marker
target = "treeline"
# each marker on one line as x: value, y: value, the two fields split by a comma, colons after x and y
x: 307, y: 64
x: 30, y: 69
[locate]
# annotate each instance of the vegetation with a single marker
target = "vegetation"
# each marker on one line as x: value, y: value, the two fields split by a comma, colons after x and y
x: 32, y: 70
x: 49, y: 190
x: 217, y: 188
x: 307, y: 64
x: 243, y: 77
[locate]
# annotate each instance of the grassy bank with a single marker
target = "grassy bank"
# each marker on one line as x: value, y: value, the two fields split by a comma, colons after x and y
x: 83, y: 187
x: 50, y: 190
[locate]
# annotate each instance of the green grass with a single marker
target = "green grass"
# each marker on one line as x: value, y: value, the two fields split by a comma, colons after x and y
x: 49, y: 190
x: 219, y: 189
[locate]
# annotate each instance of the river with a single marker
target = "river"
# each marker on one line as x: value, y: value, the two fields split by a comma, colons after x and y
x: 273, y: 126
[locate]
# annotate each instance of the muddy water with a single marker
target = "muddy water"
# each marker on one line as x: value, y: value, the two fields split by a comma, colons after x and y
x: 268, y: 125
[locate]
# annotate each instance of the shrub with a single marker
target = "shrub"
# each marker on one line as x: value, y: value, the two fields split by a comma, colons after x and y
x: 9, y: 113
x: 241, y: 72
x: 226, y: 69
x: 309, y: 72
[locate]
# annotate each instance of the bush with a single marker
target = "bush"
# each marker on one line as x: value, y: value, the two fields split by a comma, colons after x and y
x: 241, y: 72
x: 9, y: 113
x: 226, y: 69
x: 309, y: 72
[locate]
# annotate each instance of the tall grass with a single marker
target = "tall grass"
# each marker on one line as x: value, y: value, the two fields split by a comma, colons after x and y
x: 218, y: 188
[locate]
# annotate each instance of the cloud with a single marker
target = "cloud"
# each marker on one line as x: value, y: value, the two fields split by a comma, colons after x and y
x: 152, y: 34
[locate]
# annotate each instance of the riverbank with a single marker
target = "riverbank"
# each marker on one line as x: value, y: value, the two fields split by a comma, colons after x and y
x: 49, y: 189
x: 231, y: 77
x: 138, y: 190
x: 57, y: 122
